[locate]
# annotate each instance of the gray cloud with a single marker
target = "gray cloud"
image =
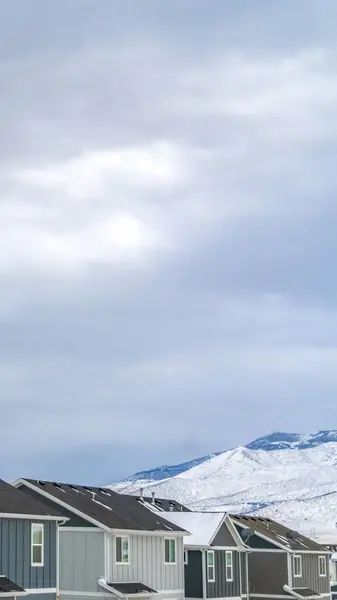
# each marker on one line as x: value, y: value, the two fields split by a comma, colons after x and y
x: 167, y: 230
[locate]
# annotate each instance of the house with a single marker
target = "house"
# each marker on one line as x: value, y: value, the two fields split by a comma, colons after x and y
x: 112, y: 546
x: 28, y: 546
x: 281, y: 562
x: 212, y: 555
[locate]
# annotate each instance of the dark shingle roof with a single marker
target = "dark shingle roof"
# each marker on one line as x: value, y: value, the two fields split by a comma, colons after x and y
x: 16, y: 502
x: 132, y: 588
x: 303, y: 593
x: 7, y: 586
x: 276, y: 532
x: 164, y: 505
x: 115, y: 511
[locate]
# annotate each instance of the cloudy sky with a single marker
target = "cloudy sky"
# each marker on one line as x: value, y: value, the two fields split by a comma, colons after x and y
x: 168, y: 230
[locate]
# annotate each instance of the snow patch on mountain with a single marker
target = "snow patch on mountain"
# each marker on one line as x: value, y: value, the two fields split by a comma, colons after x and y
x: 295, y: 484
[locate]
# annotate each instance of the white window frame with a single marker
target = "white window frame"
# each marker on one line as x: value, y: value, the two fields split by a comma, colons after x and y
x: 185, y: 557
x: 210, y: 578
x: 123, y: 538
x: 174, y: 542
x: 229, y: 553
x: 297, y: 557
x: 322, y: 561
x: 37, y: 527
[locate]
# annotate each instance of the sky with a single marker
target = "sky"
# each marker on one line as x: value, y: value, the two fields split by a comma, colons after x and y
x: 168, y: 222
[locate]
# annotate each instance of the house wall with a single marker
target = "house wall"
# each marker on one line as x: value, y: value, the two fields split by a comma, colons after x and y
x: 81, y: 561
x: 193, y: 575
x: 221, y: 588
x: 310, y: 574
x: 268, y: 572
x: 147, y: 564
x: 15, y: 554
x: 224, y: 537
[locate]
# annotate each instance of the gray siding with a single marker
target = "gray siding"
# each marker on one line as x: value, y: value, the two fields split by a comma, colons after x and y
x: 310, y: 574
x: 221, y: 588
x: 15, y: 554
x: 268, y: 572
x: 147, y: 563
x: 81, y: 560
x: 224, y: 537
x: 193, y: 575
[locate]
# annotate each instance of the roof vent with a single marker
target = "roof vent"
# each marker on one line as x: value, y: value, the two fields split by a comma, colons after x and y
x: 141, y: 493
x: 93, y: 495
x: 291, y: 535
x: 153, y: 496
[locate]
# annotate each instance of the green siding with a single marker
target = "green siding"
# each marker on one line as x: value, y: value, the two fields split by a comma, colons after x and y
x: 193, y: 575
x: 221, y: 588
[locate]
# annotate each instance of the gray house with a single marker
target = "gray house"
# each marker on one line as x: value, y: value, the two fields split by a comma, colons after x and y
x: 112, y: 546
x: 281, y: 563
x: 212, y: 555
x: 28, y: 546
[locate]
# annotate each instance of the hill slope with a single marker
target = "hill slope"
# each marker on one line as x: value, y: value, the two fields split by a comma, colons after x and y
x: 289, y: 477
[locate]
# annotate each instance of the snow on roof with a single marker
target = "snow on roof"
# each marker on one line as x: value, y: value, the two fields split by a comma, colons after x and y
x: 202, y: 525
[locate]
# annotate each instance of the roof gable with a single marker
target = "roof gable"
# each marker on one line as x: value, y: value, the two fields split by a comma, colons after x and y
x: 103, y: 506
x: 15, y: 502
x: 277, y: 534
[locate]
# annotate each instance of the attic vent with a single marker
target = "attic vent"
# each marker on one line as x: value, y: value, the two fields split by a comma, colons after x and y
x: 291, y: 535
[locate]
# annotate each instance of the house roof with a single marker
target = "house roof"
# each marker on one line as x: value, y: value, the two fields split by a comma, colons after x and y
x: 108, y: 508
x: 280, y: 534
x: 7, y: 586
x: 163, y: 504
x: 303, y: 593
x: 128, y: 589
x: 16, y: 502
x: 202, y: 525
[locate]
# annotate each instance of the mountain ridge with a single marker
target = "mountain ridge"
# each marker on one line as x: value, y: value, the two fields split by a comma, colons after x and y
x: 289, y: 477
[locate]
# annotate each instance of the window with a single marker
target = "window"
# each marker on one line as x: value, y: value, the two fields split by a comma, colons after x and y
x: 210, y: 566
x: 185, y: 557
x: 37, y: 544
x: 122, y: 550
x: 297, y: 566
x: 229, y: 565
x: 170, y: 551
x: 322, y: 566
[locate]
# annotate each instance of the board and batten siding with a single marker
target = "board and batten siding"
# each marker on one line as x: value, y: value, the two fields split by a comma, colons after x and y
x: 147, y: 564
x: 310, y: 574
x: 193, y: 575
x: 221, y: 588
x: 15, y: 554
x: 81, y: 560
x: 267, y: 573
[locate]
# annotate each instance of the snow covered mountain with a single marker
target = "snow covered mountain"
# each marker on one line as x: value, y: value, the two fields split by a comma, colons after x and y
x: 289, y: 477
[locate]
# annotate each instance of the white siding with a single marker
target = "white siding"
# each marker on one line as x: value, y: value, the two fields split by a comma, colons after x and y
x: 81, y: 561
x: 147, y: 564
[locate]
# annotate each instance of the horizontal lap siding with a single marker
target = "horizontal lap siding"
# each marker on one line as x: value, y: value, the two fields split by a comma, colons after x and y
x: 268, y: 572
x: 81, y: 560
x: 15, y: 554
x: 221, y: 588
x: 310, y: 574
x: 147, y: 563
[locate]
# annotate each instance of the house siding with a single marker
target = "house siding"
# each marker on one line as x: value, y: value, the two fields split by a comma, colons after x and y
x: 81, y: 561
x: 224, y: 538
x: 268, y: 573
x: 310, y: 574
x: 15, y: 554
x: 147, y: 564
x: 193, y: 575
x: 221, y: 588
